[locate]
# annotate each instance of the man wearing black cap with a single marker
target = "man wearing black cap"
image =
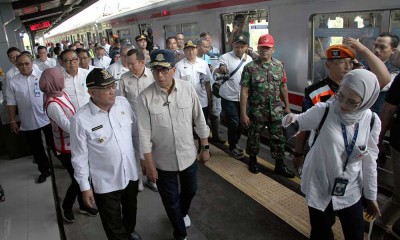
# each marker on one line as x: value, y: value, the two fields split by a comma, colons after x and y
x: 141, y: 42
x: 232, y: 64
x: 168, y: 108
x: 105, y: 146
x: 101, y: 60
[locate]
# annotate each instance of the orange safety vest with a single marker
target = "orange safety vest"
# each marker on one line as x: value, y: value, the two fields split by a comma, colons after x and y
x: 61, y: 138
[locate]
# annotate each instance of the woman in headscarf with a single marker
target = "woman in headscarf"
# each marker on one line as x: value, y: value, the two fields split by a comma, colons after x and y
x: 340, y: 167
x: 60, y: 109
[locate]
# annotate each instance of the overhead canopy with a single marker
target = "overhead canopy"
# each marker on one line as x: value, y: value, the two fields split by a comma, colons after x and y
x: 40, y: 15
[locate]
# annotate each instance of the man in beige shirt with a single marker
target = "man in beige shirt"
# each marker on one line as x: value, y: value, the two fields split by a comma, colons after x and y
x: 132, y: 83
x: 137, y: 79
x: 167, y: 110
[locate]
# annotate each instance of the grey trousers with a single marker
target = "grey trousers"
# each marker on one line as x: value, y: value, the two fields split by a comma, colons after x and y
x: 391, y: 211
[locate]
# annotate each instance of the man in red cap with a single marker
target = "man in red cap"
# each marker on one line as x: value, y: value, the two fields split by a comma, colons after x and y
x: 263, y: 87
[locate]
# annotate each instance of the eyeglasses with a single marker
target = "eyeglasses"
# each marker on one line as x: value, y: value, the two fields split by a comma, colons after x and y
x: 74, y: 60
x: 23, y: 64
x: 163, y: 71
x: 107, y: 88
x: 348, y: 102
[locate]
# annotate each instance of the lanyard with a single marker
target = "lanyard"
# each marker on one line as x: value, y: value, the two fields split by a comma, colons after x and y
x: 350, y: 148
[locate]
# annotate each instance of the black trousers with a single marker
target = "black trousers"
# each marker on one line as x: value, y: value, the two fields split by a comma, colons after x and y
x: 351, y: 219
x: 114, y: 204
x: 73, y: 189
x: 34, y: 139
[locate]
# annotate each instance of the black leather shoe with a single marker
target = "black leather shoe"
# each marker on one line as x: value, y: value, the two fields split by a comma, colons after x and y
x: 253, y: 165
x: 253, y: 168
x: 42, y: 177
x: 135, y: 236
x: 282, y: 170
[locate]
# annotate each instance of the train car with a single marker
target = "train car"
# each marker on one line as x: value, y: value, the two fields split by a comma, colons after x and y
x: 302, y: 29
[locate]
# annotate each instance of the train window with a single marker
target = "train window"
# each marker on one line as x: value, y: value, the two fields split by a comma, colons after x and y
x: 189, y: 30
x: 252, y: 24
x: 171, y: 30
x: 329, y: 29
x: 125, y: 36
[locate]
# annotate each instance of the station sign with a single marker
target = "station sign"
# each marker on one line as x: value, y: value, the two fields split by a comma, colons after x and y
x: 40, y: 25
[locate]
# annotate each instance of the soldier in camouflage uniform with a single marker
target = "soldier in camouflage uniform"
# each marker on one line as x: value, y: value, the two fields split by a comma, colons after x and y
x: 263, y: 84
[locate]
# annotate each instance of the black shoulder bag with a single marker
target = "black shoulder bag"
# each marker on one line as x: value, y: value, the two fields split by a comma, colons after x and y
x: 217, y: 85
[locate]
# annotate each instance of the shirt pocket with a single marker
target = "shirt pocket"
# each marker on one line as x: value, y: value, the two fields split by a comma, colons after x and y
x: 125, y: 122
x: 100, y: 136
x: 184, y: 112
x: 158, y: 117
x: 22, y: 93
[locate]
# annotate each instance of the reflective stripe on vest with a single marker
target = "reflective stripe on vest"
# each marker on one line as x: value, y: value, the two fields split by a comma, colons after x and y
x: 320, y: 92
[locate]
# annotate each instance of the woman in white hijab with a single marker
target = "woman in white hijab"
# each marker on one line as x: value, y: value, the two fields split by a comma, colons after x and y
x: 340, y: 167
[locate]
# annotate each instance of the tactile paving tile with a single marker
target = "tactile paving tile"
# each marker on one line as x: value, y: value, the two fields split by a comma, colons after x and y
x: 283, y: 202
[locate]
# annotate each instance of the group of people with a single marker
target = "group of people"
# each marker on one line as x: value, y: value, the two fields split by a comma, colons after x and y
x: 111, y: 124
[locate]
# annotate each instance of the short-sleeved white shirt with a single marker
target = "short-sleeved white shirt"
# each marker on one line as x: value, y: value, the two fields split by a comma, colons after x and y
x: 230, y: 90
x: 197, y: 74
x: 25, y: 93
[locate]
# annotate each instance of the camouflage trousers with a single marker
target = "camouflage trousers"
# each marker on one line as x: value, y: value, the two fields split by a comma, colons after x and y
x: 276, y: 138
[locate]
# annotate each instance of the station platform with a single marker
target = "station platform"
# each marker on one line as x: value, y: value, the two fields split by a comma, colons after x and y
x: 231, y: 203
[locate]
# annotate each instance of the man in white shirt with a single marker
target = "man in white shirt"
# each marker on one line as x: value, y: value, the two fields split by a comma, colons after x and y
x: 44, y: 62
x: 105, y: 146
x: 232, y: 64
x: 100, y: 60
x: 196, y: 71
x: 105, y: 45
x: 23, y: 92
x: 85, y: 61
x: 168, y: 108
x: 132, y: 84
x: 75, y: 79
x: 118, y: 68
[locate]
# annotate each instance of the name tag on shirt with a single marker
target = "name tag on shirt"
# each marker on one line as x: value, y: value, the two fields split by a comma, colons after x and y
x: 97, y: 128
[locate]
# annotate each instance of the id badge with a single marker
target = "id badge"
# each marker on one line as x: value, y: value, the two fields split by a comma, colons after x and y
x: 339, y: 187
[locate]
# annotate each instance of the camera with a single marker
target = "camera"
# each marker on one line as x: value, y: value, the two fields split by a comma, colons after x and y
x: 221, y: 76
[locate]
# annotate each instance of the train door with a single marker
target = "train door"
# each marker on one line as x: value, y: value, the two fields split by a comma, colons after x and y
x: 332, y: 28
x: 143, y: 28
x: 252, y: 24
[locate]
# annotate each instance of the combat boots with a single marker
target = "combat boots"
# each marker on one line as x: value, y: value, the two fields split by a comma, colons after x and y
x: 281, y: 169
x: 215, y: 123
x: 253, y: 165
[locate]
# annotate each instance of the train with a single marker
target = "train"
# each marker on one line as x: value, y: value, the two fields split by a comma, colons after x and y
x: 302, y: 29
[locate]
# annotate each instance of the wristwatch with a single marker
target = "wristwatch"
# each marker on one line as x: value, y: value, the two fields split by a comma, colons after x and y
x: 205, y: 147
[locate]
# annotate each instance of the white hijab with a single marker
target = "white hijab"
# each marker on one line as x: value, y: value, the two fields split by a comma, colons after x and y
x: 365, y: 84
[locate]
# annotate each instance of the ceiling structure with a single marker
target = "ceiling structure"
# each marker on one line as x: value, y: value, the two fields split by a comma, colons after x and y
x: 42, y: 15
